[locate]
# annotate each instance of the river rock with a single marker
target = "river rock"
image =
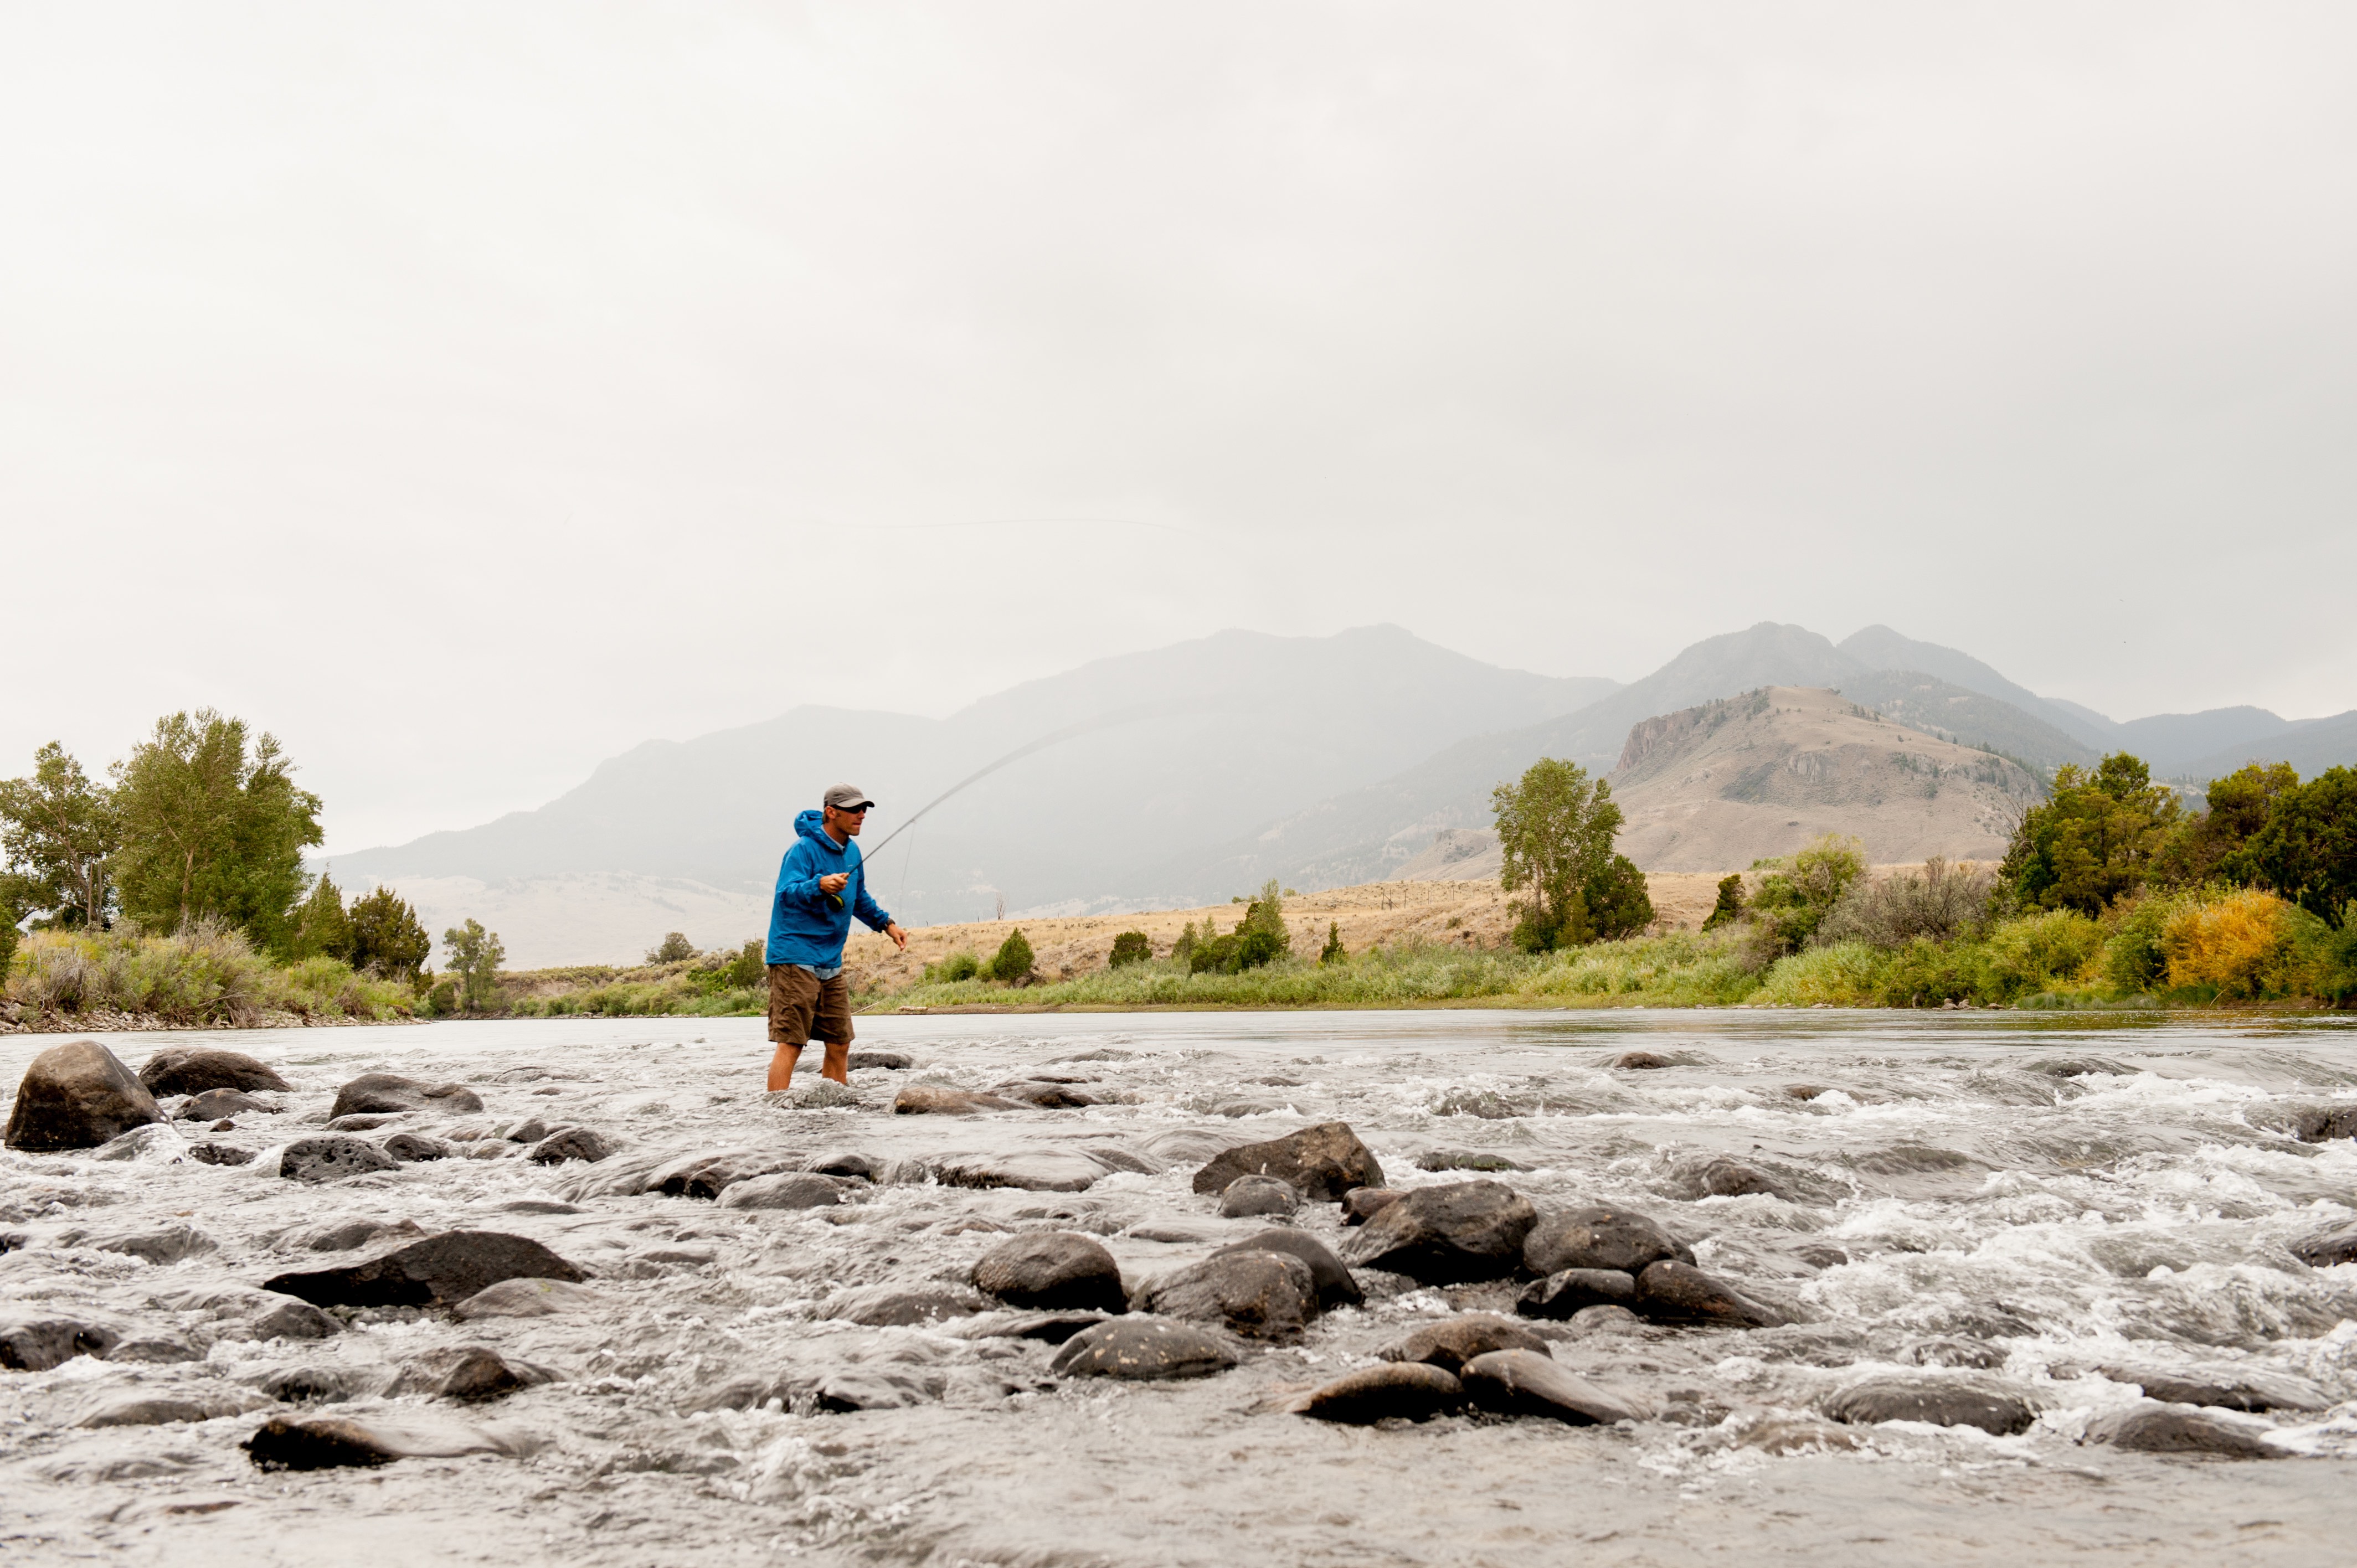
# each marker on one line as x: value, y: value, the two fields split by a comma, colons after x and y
x: 943, y: 1099
x: 331, y: 1158
x: 1260, y: 1295
x: 1252, y: 1195
x: 571, y: 1144
x: 1335, y: 1286
x: 327, y: 1442
x: 899, y: 1306
x: 1679, y: 1292
x: 468, y: 1373
x: 316, y: 1385
x: 1055, y: 1271
x: 1322, y: 1163
x: 1454, y: 1341
x: 157, y: 1138
x: 1034, y: 1170
x: 2325, y: 1123
x: 845, y: 1163
x: 194, y: 1069
x: 888, y: 1062
x: 1527, y: 1382
x: 1722, y: 1177
x: 530, y: 1130
x: 415, y: 1148
x: 709, y: 1174
x: 34, y: 1341
x: 1941, y: 1402
x: 1410, y: 1391
x: 879, y: 1388
x: 1590, y: 1320
x: 77, y: 1096
x: 343, y: 1235
x: 216, y: 1103
x: 1568, y: 1291
x: 146, y: 1409
x: 1599, y: 1238
x: 1466, y: 1160
x: 1047, y: 1328
x: 438, y: 1271
x: 528, y: 1298
x: 212, y: 1154
x: 155, y: 1351
x: 2181, y: 1429
x: 2326, y: 1247
x: 367, y: 1122
x: 160, y: 1247
x: 294, y: 1320
x: 2224, y: 1388
x: 1143, y: 1349
x: 1447, y: 1235
x: 782, y: 1190
x: 1641, y: 1061
x: 380, y: 1092
x: 1046, y: 1096
x: 1362, y: 1204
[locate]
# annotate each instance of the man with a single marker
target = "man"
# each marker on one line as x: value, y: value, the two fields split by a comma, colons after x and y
x: 821, y: 885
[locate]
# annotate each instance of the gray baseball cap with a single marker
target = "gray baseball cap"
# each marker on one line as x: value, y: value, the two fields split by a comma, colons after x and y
x: 846, y: 797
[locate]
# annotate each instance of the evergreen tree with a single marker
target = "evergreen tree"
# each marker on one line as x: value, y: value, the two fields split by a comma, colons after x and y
x: 1014, y: 959
x: 321, y: 926
x: 2308, y: 851
x: 1129, y: 948
x: 1729, y: 908
x: 1332, y: 952
x: 387, y: 936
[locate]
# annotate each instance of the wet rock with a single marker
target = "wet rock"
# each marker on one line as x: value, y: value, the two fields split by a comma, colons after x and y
x: 1409, y: 1391
x: 1143, y: 1349
x: 1679, y: 1292
x: 888, y: 1061
x: 2181, y: 1429
x: 1599, y: 1238
x: 436, y: 1271
x: 32, y: 1341
x: 215, y: 1103
x: 528, y: 1298
x: 331, y: 1158
x: 1447, y: 1235
x: 1362, y: 1204
x: 295, y: 1320
x: 2327, y: 1248
x: 530, y: 1130
x: 367, y: 1122
x: 1723, y: 1178
x: 1484, y: 1105
x: 316, y: 1385
x: 1240, y: 1108
x: 1034, y: 1170
x: 157, y: 1139
x: 879, y: 1388
x: 1251, y: 1196
x: 1941, y: 1401
x: 942, y: 1100
x: 167, y: 1245
x: 1797, y: 1434
x: 2223, y: 1389
x: 1466, y: 1160
x: 327, y: 1442
x: 1819, y: 1255
x: 1189, y: 1145
x: 383, y: 1093
x: 1322, y: 1163
x: 195, y: 1070
x: 1454, y: 1341
x: 1568, y: 1291
x: 468, y: 1373
x: 2080, y: 1067
x: 77, y: 1096
x: 1047, y: 1328
x: 2324, y: 1123
x: 1260, y: 1295
x: 1913, y: 1159
x: 342, y: 1236
x: 1641, y: 1061
x: 1335, y: 1286
x: 145, y: 1409
x: 709, y: 1174
x: 813, y: 1094
x: 1118, y: 1157
x: 1046, y: 1096
x: 782, y: 1190
x: 1590, y: 1320
x: 898, y: 1306
x: 571, y: 1144
x: 211, y: 1154
x: 1526, y: 1382
x: 415, y: 1148
x: 1949, y: 1351
x: 223, y: 1126
x: 1055, y: 1271
x: 842, y: 1163
x: 156, y: 1351
x: 539, y: 1206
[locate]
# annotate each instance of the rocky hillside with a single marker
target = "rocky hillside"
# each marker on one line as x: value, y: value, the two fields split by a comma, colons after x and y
x: 1721, y: 785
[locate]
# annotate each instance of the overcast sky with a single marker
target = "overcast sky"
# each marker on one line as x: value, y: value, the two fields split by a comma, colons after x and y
x: 467, y: 393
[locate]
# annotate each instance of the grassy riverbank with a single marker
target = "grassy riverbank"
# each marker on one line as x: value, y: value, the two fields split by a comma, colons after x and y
x: 208, y: 976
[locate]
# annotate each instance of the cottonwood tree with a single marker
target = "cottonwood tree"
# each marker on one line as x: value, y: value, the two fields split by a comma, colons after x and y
x: 1556, y: 828
x: 208, y: 828
x: 475, y: 955
x: 57, y: 829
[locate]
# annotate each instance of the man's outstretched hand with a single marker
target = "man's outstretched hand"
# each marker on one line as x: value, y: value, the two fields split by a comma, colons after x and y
x: 897, y: 935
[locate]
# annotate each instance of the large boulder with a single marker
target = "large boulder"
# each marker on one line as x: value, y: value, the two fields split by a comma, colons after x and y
x: 1673, y: 1291
x: 438, y: 1271
x: 332, y: 1158
x: 1261, y: 1295
x: 1322, y: 1163
x: 1252, y: 1196
x: 34, y: 1341
x: 1335, y: 1286
x: 572, y: 1143
x: 1410, y: 1391
x: 1143, y: 1349
x: 382, y: 1093
x: 1454, y: 1341
x: 326, y: 1442
x: 1941, y: 1401
x: 1570, y: 1291
x: 1447, y: 1235
x: 1599, y: 1238
x: 782, y: 1190
x: 77, y: 1096
x: 1051, y: 1272
x: 710, y: 1174
x: 1524, y: 1383
x: 194, y: 1069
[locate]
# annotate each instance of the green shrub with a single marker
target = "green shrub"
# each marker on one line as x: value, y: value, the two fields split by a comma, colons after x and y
x: 1941, y: 902
x: 1796, y: 893
x: 1129, y: 947
x: 1216, y: 956
x: 441, y: 999
x: 1013, y: 961
x: 2040, y: 952
x: 673, y: 949
x: 952, y: 968
x: 1925, y: 973
x: 1846, y: 974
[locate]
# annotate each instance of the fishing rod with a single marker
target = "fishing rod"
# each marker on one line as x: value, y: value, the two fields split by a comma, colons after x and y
x: 1069, y: 732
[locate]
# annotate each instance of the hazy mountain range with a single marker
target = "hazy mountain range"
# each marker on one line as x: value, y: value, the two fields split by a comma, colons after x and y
x: 1199, y: 771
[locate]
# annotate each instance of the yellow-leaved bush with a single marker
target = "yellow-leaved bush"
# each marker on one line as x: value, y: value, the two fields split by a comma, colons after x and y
x: 2242, y: 945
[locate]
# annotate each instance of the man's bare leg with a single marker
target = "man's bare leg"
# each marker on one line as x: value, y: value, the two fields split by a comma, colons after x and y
x: 781, y: 1066
x: 837, y: 1065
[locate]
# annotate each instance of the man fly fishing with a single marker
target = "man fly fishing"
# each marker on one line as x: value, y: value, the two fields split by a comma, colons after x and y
x: 822, y: 883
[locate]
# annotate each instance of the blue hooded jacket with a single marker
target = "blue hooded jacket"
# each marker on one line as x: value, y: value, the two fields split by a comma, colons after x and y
x: 803, y: 928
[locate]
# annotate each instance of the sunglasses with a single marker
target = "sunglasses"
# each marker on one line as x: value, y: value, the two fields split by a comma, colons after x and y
x: 853, y: 811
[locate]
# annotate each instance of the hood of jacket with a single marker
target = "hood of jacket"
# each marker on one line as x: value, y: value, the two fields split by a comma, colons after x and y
x: 811, y: 825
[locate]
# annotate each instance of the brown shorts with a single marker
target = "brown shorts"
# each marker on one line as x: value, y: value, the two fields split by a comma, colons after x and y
x: 804, y: 1008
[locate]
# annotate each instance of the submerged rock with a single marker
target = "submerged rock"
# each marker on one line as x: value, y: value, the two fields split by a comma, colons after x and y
x: 571, y: 1144
x: 2327, y: 1248
x: 2224, y: 1388
x: 438, y: 1271
x: 782, y: 1190
x: 1466, y: 1160
x: 1447, y: 1235
x: 1525, y: 1382
x: 1722, y: 1177
x: 1322, y: 1163
x: 295, y: 1320
x: 1454, y: 1341
x: 160, y: 1350
x: 1143, y: 1349
x: 1599, y: 1238
x: 1410, y: 1391
x: 1054, y: 1271
x: 879, y: 1388
x: 384, y: 1092
x: 1258, y: 1293
x: 1335, y: 1286
x: 343, y: 1235
x: 710, y: 1174
x: 195, y: 1070
x: 327, y: 1442
x: 215, y: 1103
x: 167, y: 1245
x: 151, y: 1409
x: 77, y: 1096
x: 2181, y: 1429
x: 157, y: 1138
x: 943, y: 1099
x: 1568, y: 1291
x: 1252, y: 1195
x: 898, y: 1306
x: 1641, y: 1061
x: 316, y: 1385
x: 415, y: 1148
x: 331, y: 1158
x: 1679, y: 1292
x: 211, y: 1154
x: 1941, y: 1401
x: 468, y: 1373
x: 1044, y: 1095
x: 32, y: 1341
x: 528, y: 1298
x: 1362, y: 1204
x: 888, y: 1061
